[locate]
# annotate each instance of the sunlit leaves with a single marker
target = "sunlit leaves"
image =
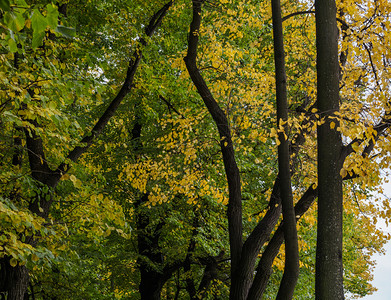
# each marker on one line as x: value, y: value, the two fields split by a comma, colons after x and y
x: 56, y: 86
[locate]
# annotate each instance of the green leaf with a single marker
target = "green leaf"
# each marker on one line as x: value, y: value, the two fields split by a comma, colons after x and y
x: 5, y: 5
x: 66, y: 31
x: 38, y: 21
x: 14, y: 21
x: 39, y: 24
x: 12, y: 45
x: 37, y: 39
x: 52, y: 16
x: 21, y: 3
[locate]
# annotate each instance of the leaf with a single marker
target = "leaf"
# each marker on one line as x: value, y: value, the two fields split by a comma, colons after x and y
x: 66, y: 31
x: 38, y: 21
x: 12, y: 45
x: 76, y: 182
x: 5, y: 5
x: 73, y: 179
x: 39, y: 24
x: 52, y: 16
x: 34, y: 257
x: 332, y: 125
x: 13, y: 262
x: 14, y: 21
x: 343, y: 172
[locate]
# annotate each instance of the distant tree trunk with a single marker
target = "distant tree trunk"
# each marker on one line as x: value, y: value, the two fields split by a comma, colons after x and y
x: 150, y: 258
x: 291, y: 271
x: 329, y: 268
x: 154, y: 272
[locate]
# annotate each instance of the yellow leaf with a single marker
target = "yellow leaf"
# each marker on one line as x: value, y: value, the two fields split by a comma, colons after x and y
x: 76, y: 182
x: 332, y: 125
x: 273, y: 132
x: 343, y: 172
x: 73, y: 179
x: 34, y: 257
x: 13, y: 262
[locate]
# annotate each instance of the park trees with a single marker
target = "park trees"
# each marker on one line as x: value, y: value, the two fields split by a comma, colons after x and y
x: 146, y: 201
x: 329, y: 268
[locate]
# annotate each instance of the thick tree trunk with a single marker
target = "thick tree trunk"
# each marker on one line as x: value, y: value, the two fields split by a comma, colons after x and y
x: 329, y: 268
x: 291, y: 271
x: 13, y: 280
x: 151, y: 284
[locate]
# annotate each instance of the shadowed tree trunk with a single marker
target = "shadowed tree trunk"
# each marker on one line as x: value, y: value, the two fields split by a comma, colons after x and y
x: 329, y: 269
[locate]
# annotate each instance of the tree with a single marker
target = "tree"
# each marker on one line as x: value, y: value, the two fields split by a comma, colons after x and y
x: 148, y: 198
x: 15, y: 276
x: 329, y: 268
x: 243, y: 255
x: 291, y: 270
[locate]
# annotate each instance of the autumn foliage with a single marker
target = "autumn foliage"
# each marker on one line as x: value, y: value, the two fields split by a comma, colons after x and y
x: 146, y: 153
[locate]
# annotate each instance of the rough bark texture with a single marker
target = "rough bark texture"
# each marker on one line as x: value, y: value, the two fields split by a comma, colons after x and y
x: 329, y: 268
x: 14, y: 280
x: 291, y: 270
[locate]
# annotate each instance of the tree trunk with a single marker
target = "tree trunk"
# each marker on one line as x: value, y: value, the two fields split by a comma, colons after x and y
x: 234, y: 211
x: 291, y: 270
x: 329, y: 268
x: 13, y: 280
x: 264, y: 269
x: 151, y: 260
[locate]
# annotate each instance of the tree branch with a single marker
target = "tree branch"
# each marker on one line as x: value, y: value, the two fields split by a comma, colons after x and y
x: 231, y: 168
x: 112, y: 108
x: 264, y: 268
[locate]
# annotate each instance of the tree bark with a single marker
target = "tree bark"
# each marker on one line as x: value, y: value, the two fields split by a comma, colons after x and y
x: 329, y: 268
x: 151, y: 278
x: 14, y: 280
x: 291, y: 270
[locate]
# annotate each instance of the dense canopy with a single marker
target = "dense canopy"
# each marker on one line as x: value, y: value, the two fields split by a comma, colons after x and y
x: 147, y: 151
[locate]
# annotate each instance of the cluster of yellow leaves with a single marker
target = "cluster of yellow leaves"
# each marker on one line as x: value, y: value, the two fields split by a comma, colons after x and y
x: 16, y: 223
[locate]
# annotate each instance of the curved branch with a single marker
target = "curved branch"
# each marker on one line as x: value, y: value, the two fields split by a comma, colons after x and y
x: 231, y: 168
